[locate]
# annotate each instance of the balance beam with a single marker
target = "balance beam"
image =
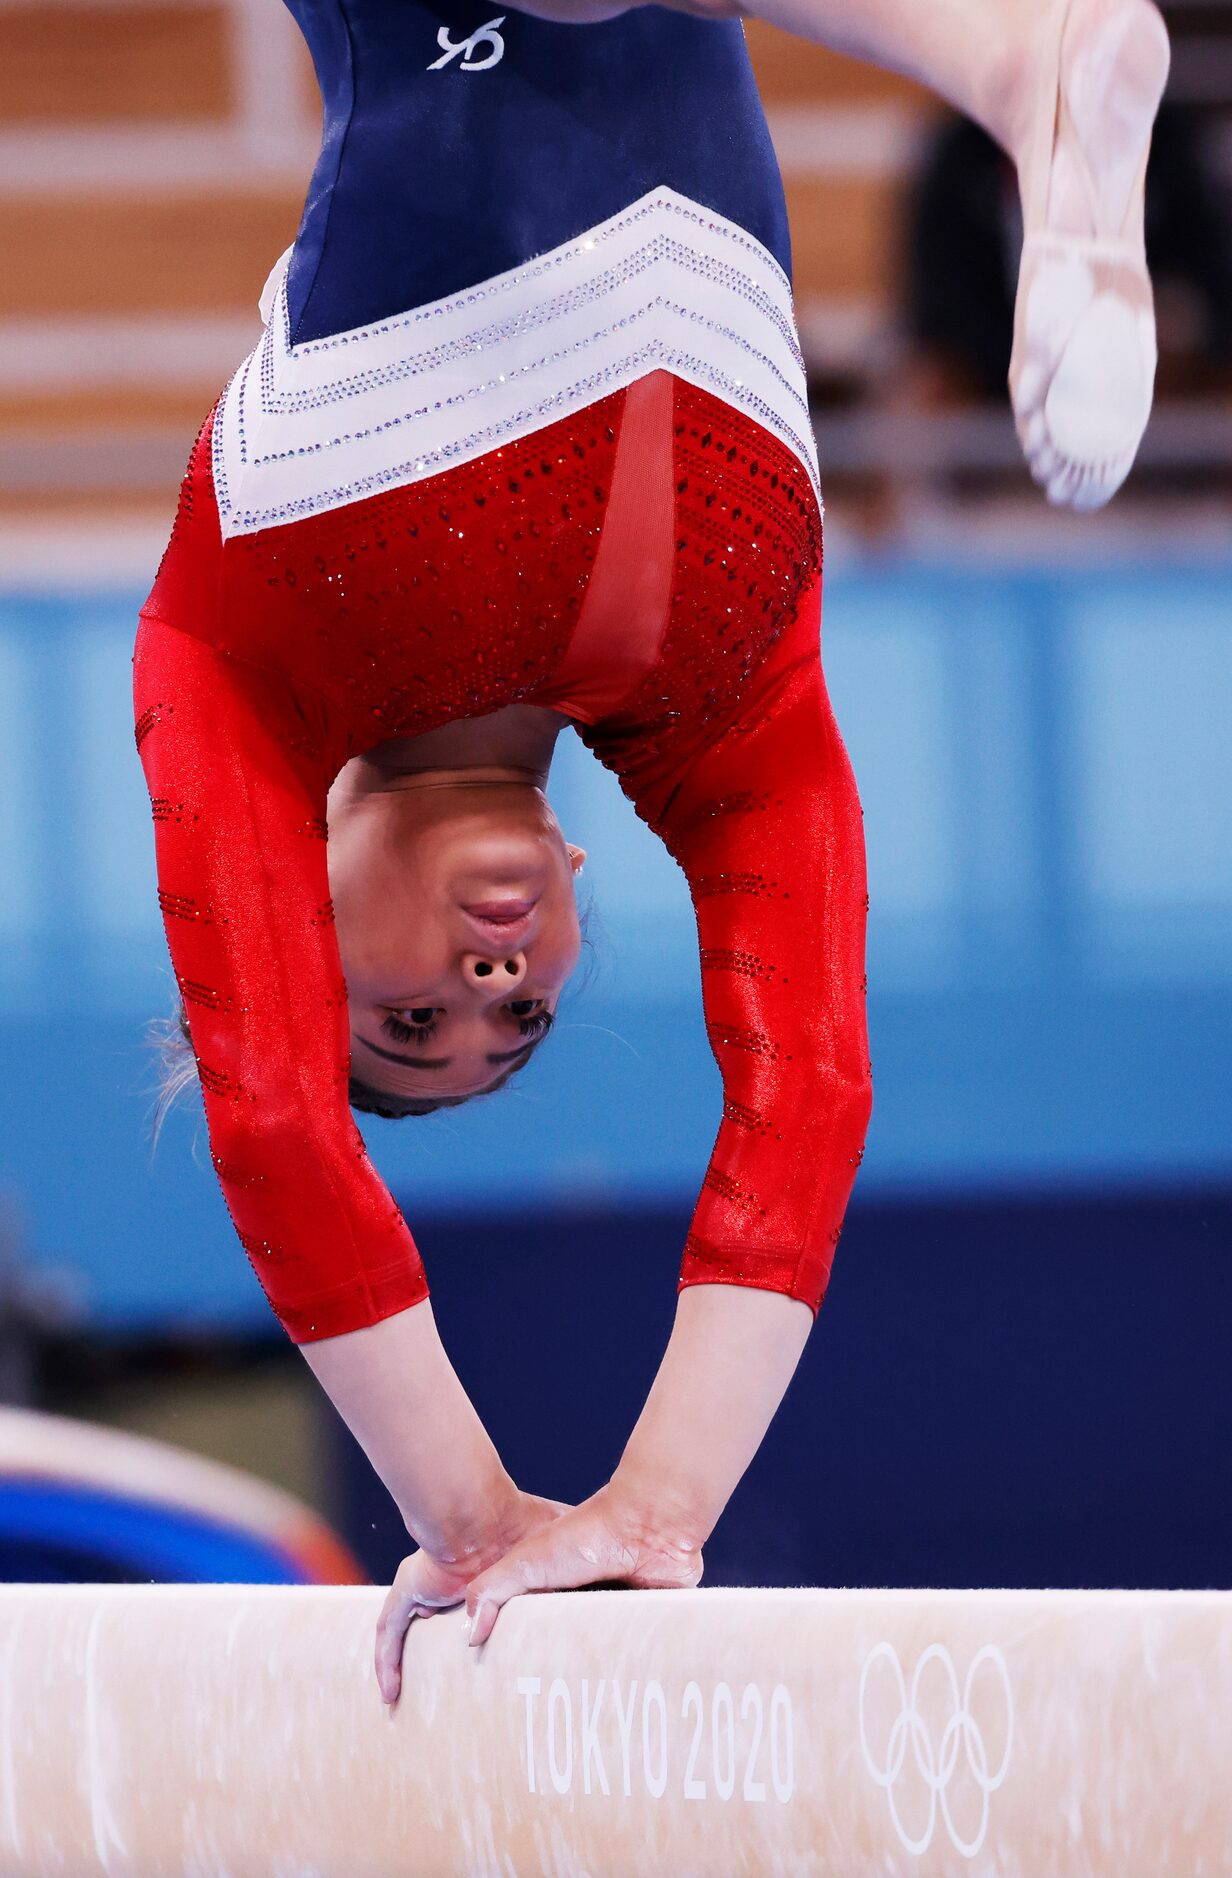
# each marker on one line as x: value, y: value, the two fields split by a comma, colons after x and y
x: 211, y: 1730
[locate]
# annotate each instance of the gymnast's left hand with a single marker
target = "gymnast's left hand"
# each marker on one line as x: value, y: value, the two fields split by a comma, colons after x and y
x: 424, y: 1585
x: 608, y: 1539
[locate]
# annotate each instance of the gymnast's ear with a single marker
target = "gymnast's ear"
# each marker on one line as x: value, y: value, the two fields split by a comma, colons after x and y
x: 577, y: 857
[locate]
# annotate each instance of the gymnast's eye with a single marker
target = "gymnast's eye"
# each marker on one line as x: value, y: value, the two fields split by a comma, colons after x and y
x: 419, y: 1029
x: 533, y: 1019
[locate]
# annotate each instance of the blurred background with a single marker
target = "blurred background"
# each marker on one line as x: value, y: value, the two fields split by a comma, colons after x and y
x: 1021, y: 1374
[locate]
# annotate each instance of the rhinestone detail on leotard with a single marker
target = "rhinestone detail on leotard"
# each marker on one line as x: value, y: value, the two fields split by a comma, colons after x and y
x: 665, y: 284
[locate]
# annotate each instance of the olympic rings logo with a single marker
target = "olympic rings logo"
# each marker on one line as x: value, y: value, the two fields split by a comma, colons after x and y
x: 936, y: 1762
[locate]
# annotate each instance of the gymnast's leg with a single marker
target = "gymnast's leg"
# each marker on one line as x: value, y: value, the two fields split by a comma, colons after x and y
x: 1070, y: 89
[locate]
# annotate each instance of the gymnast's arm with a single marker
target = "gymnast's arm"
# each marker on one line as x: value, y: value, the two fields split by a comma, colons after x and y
x: 765, y: 821
x: 238, y: 777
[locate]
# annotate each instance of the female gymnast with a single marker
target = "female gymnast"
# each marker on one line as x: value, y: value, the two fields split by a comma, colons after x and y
x: 525, y: 446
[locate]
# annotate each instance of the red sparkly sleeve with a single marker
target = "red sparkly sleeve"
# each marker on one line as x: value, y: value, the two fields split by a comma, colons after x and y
x: 238, y: 783
x: 766, y: 823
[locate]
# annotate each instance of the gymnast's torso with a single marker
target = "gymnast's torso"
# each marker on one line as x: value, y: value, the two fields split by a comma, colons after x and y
x: 508, y: 220
x: 460, y: 141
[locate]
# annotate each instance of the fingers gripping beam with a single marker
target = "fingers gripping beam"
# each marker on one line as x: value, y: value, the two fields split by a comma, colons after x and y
x: 238, y: 1730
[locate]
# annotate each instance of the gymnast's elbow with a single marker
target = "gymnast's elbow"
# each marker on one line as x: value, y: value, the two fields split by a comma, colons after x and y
x: 264, y: 1150
x: 858, y: 1098
x: 827, y: 1106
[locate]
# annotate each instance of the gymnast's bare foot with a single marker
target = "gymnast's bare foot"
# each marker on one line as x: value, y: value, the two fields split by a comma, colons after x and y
x: 1083, y: 367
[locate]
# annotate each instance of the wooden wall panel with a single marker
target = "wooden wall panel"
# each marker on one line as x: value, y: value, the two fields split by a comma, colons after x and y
x: 845, y: 235
x: 112, y: 64
x: 115, y: 254
x: 130, y: 406
x: 793, y: 71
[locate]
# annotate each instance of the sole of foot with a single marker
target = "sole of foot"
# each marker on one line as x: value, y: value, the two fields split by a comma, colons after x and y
x: 1083, y: 370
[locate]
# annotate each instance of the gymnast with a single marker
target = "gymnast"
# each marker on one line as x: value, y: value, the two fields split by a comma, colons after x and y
x: 525, y: 446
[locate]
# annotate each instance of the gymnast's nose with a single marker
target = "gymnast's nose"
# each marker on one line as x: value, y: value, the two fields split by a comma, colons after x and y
x: 490, y: 970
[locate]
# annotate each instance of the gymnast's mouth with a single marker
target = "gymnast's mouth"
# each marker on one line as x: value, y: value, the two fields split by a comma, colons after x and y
x: 501, y: 919
x: 502, y: 911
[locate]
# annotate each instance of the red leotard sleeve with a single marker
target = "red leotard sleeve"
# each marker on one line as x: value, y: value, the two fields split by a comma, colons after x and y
x: 766, y: 823
x: 234, y: 758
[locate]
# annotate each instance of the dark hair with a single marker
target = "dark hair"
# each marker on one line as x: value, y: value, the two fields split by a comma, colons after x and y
x: 393, y: 1107
x: 171, y: 1040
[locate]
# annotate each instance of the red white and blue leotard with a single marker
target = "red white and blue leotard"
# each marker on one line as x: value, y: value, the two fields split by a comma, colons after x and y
x: 527, y: 423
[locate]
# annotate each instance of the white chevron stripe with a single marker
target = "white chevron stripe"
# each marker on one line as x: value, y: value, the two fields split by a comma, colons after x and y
x: 667, y: 282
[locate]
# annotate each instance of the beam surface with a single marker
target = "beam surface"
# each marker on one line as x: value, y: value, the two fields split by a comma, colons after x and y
x: 237, y: 1730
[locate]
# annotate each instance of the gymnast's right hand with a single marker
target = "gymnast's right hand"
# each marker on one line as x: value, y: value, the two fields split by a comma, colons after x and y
x: 424, y: 1584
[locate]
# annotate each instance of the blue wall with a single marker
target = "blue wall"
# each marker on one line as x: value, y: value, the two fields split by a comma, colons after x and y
x: 1047, y: 772
x: 1030, y: 1392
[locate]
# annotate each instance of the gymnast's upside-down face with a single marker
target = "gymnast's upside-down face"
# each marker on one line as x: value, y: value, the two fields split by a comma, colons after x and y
x: 457, y: 925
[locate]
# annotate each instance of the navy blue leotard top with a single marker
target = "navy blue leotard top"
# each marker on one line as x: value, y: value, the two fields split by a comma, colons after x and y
x: 440, y: 167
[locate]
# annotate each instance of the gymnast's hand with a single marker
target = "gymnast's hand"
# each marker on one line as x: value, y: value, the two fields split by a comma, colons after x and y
x: 609, y: 1539
x: 424, y: 1584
